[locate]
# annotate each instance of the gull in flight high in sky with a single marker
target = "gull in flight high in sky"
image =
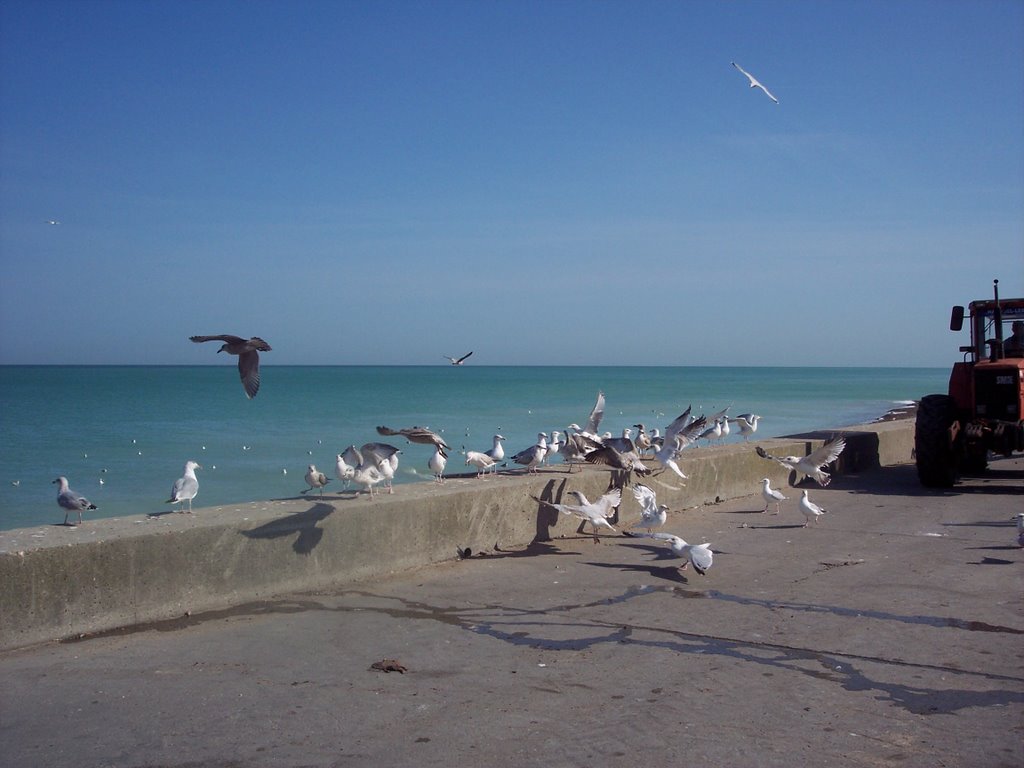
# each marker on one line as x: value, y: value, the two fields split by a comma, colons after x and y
x: 457, y: 360
x: 811, y: 464
x: 248, y: 357
x: 754, y: 83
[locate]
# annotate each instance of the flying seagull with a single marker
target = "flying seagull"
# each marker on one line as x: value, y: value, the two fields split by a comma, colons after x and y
x: 652, y: 514
x: 420, y: 435
x: 811, y: 464
x: 457, y: 360
x: 248, y: 357
x: 699, y: 554
x: 70, y: 501
x: 596, y: 513
x: 754, y: 83
x: 52, y: 222
x: 186, y: 487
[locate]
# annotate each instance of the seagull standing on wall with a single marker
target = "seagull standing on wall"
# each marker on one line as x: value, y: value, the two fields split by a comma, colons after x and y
x: 754, y: 83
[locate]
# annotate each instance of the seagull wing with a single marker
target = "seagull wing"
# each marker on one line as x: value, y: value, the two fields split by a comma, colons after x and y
x: 827, y: 453
x: 463, y: 357
x: 608, y: 502
x: 595, y: 415
x: 225, y: 337
x: 249, y: 372
x: 701, y: 557
x: 767, y: 93
x: 648, y: 501
x: 741, y: 69
x: 378, y: 451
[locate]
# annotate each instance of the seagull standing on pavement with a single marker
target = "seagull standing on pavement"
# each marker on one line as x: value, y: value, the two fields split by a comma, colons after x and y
x: 534, y: 455
x: 770, y: 495
x: 70, y: 501
x: 754, y: 83
x: 811, y: 510
x: 437, y: 463
x: 316, y: 479
x: 186, y: 487
x: 811, y: 464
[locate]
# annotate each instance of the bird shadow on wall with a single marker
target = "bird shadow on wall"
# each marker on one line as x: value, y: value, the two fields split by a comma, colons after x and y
x: 304, y: 524
x: 547, y: 516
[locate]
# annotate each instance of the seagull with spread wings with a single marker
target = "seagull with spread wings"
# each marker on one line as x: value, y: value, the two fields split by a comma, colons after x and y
x: 811, y: 464
x: 457, y: 360
x: 248, y: 357
x: 699, y: 554
x: 754, y: 82
x: 596, y: 513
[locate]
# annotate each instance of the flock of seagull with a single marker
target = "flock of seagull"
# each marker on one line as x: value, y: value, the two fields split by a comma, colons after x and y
x: 375, y: 463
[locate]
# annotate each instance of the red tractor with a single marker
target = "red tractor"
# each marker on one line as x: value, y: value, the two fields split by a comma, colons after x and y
x: 982, y: 411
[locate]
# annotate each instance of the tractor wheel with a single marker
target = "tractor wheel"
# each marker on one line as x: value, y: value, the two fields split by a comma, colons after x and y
x: 936, y: 458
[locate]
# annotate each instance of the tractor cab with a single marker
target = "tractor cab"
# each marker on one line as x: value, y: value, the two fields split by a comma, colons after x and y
x: 982, y: 412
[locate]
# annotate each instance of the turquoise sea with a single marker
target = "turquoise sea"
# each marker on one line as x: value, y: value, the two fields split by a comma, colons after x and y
x: 133, y: 427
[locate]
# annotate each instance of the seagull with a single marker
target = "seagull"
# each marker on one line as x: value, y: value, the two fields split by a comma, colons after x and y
x: 437, y: 463
x: 385, y: 457
x: 481, y: 461
x: 554, y: 446
x: 70, y: 501
x: 811, y: 510
x: 52, y: 222
x: 316, y: 479
x: 420, y: 435
x: 754, y: 83
x: 534, y: 455
x: 457, y: 360
x: 811, y: 464
x: 497, y: 452
x: 681, y: 433
x: 770, y: 495
x: 612, y: 457
x: 593, y: 420
x: 699, y: 554
x: 248, y: 357
x: 652, y: 514
x: 185, y: 487
x: 366, y: 472
x: 747, y: 422
x: 596, y: 513
x: 343, y: 470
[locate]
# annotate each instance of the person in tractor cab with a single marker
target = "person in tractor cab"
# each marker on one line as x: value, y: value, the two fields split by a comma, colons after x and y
x: 1013, y: 345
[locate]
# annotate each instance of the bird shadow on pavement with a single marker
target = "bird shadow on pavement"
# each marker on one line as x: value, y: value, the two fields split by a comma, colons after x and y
x: 304, y: 524
x: 664, y: 572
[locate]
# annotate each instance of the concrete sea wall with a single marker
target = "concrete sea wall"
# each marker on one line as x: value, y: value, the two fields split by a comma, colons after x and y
x: 59, y: 582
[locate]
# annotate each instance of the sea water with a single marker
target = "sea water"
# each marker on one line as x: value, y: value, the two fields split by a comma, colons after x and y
x: 121, y: 435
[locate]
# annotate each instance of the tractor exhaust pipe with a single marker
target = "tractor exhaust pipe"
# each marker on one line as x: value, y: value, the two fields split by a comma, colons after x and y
x: 997, y: 348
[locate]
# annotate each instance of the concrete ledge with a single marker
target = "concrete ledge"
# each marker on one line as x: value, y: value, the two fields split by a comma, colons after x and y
x: 117, y: 572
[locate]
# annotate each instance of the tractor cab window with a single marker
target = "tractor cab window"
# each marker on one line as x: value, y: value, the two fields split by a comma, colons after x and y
x: 985, y: 334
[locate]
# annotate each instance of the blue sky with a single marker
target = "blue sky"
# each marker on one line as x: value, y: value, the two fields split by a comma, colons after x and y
x: 541, y: 182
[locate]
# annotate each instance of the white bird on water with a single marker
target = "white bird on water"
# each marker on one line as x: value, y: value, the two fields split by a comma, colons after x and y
x: 186, y: 487
x: 596, y: 513
x: 811, y: 464
x: 811, y: 510
x: 652, y: 514
x: 754, y: 82
x: 770, y: 496
x: 316, y: 479
x: 699, y: 554
x: 70, y: 501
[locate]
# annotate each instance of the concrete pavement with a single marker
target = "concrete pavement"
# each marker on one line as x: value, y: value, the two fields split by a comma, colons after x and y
x: 889, y: 634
